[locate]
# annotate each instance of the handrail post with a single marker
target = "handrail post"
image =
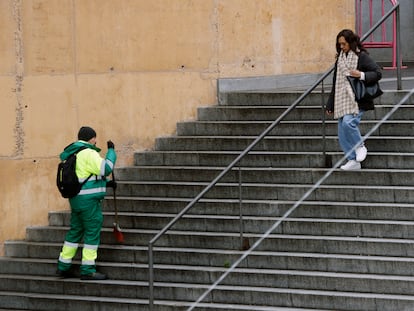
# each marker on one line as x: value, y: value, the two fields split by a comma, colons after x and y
x: 323, y: 122
x: 398, y: 47
x: 326, y: 158
x: 241, y: 208
x: 151, y: 276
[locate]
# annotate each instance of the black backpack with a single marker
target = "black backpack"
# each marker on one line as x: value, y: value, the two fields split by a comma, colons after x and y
x: 66, y: 179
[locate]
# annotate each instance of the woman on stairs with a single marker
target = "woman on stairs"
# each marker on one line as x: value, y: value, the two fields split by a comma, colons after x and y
x: 352, y: 59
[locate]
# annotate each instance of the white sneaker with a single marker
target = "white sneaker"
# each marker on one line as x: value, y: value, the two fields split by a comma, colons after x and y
x: 351, y: 165
x: 361, y: 153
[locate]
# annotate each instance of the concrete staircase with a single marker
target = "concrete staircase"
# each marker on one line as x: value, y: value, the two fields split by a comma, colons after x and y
x: 350, y: 246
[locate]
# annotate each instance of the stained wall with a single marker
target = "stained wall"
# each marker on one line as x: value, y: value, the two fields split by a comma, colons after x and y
x: 131, y: 69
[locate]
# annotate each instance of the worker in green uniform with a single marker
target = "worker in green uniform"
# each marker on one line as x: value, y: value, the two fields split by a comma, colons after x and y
x: 86, y: 213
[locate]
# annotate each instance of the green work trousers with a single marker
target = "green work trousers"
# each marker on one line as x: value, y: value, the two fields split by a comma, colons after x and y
x: 85, y: 224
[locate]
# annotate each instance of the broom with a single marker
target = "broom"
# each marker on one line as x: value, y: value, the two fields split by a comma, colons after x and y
x: 119, y: 236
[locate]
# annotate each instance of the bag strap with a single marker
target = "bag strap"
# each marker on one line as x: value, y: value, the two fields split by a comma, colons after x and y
x: 84, y: 182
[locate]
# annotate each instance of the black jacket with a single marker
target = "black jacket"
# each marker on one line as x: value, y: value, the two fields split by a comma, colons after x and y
x: 372, y: 75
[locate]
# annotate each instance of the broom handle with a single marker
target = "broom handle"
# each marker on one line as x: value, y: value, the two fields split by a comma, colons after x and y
x: 115, y: 207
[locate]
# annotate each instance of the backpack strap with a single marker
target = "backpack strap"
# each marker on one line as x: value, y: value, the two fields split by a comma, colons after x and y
x: 84, y: 182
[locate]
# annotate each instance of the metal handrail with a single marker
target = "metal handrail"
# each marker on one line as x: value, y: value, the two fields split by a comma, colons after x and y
x: 247, y: 150
x: 299, y: 202
x: 225, y: 171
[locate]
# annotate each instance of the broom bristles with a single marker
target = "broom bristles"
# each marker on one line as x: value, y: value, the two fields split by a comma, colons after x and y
x: 118, y: 234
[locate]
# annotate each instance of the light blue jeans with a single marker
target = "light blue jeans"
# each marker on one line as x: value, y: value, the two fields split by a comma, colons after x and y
x: 349, y: 134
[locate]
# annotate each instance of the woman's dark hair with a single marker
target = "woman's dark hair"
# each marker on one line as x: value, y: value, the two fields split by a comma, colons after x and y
x: 353, y: 40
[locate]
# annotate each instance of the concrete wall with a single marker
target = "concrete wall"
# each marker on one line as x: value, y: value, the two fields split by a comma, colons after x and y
x: 131, y: 69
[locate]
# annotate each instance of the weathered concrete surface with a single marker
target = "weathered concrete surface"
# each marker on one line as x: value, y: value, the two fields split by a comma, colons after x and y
x: 131, y: 69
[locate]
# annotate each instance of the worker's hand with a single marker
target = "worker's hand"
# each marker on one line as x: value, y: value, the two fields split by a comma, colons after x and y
x: 110, y: 144
x: 111, y: 184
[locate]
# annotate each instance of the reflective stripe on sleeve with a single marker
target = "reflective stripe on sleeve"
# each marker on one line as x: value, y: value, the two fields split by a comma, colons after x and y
x: 102, y: 172
x: 92, y: 191
x: 110, y: 164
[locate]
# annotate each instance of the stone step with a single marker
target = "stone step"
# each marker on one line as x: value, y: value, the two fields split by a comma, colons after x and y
x: 238, y: 295
x: 321, y: 209
x: 303, y: 128
x: 211, y: 206
x: 305, y: 113
x: 255, y: 224
x: 226, y: 240
x: 258, y: 113
x: 224, y: 158
x: 51, y: 302
x: 396, y: 160
x: 278, y: 143
x: 396, y: 177
x: 269, y: 191
x: 271, y: 99
x: 125, y: 280
x: 288, y: 98
x: 32, y: 254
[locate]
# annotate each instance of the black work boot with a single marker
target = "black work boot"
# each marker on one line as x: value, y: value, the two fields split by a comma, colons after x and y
x: 65, y: 274
x: 93, y: 276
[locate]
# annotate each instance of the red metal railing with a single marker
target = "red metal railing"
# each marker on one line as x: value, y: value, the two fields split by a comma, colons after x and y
x: 385, y: 41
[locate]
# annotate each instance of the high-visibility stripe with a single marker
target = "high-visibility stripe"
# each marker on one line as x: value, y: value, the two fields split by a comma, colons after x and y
x: 110, y: 164
x: 88, y: 262
x: 92, y: 190
x: 89, y: 254
x: 70, y: 244
x: 68, y: 252
x: 90, y: 246
x: 102, y: 169
x: 64, y: 260
x: 81, y: 180
x: 95, y: 177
